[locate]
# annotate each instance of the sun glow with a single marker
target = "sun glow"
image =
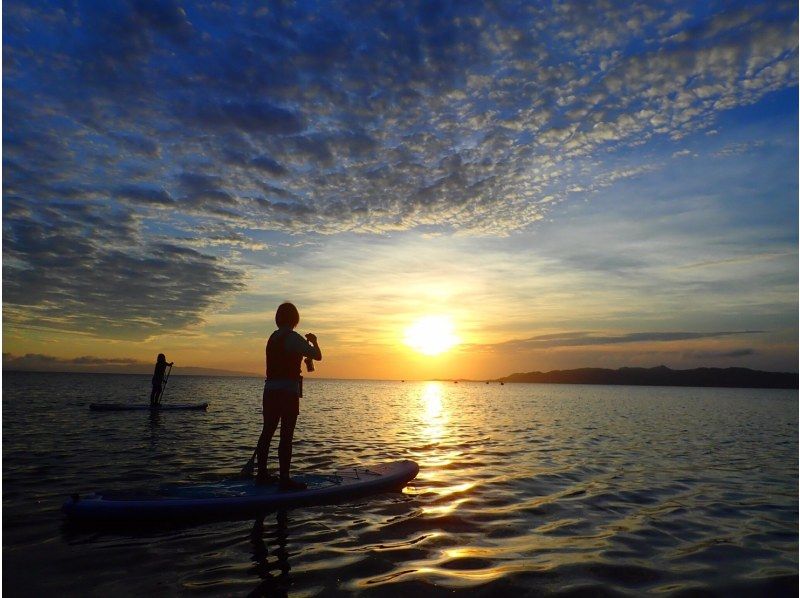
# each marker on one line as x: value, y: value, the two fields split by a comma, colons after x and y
x: 431, y: 335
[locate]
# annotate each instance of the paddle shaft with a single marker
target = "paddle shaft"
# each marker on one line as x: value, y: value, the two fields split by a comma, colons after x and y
x: 163, y: 385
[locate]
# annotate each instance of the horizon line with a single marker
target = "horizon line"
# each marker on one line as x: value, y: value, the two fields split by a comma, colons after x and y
x: 221, y: 373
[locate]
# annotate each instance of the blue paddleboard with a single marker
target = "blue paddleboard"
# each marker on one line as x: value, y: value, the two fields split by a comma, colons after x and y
x: 238, y: 499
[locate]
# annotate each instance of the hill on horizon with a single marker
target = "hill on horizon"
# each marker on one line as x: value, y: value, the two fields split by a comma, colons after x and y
x: 662, y: 376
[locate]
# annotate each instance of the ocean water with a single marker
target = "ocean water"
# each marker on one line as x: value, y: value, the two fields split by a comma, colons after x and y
x: 524, y: 489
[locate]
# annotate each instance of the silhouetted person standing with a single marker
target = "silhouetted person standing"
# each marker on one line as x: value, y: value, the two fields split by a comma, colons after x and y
x: 158, y: 379
x: 282, y: 391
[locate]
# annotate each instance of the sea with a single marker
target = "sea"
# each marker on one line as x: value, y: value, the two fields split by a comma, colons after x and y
x: 523, y: 490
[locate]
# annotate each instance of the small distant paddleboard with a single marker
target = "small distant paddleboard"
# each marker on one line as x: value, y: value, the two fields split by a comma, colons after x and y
x: 238, y: 499
x: 168, y: 407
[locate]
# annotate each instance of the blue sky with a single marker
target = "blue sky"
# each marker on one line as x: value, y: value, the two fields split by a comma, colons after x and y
x: 573, y: 183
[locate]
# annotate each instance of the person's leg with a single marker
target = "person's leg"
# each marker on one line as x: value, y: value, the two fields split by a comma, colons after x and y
x: 285, y: 446
x: 153, y: 395
x: 272, y: 416
x: 288, y: 422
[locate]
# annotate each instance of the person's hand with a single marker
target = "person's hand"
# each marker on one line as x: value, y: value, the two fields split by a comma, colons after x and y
x: 311, y: 338
x: 171, y: 363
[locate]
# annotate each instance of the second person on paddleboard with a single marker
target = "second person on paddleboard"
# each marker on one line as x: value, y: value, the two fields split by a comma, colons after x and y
x: 157, y: 381
x: 283, y: 388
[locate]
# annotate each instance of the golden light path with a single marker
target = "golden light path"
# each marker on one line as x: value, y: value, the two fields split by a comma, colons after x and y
x: 434, y: 417
x: 435, y: 456
x: 431, y: 335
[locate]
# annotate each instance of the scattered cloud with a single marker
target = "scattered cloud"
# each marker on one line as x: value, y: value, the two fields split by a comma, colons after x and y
x: 737, y: 148
x: 373, y: 118
x: 582, y: 339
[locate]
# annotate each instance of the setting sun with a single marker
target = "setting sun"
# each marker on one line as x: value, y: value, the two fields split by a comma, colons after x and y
x: 431, y: 335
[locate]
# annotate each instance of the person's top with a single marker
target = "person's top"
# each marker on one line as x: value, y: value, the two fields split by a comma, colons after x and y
x: 158, y: 373
x: 285, y: 351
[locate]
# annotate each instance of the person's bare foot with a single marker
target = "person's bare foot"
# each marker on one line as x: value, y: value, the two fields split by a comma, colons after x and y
x: 288, y: 484
x: 264, y: 479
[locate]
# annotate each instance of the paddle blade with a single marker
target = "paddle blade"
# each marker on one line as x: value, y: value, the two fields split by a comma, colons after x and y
x: 248, y: 469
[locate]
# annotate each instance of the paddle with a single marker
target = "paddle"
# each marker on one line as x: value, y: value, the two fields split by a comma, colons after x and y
x: 249, y: 467
x: 163, y: 385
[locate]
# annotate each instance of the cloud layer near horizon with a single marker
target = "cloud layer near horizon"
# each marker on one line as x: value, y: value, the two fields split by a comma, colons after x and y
x: 584, y: 339
x: 33, y: 360
x: 148, y: 146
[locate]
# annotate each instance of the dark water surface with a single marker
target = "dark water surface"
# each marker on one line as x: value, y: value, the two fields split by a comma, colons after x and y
x: 523, y: 490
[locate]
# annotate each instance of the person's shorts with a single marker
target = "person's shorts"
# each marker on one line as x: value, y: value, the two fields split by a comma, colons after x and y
x: 280, y: 403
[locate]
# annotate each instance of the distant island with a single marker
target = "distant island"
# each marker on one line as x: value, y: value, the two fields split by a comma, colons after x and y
x: 661, y: 376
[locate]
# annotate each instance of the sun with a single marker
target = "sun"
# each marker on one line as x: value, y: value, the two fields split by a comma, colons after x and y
x: 431, y: 335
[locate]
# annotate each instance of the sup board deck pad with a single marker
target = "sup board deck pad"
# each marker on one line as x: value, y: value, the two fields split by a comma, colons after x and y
x: 140, y: 407
x: 236, y: 498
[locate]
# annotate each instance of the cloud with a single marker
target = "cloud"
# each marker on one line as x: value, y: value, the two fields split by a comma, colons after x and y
x: 705, y: 355
x: 738, y: 260
x: 206, y: 193
x: 738, y: 148
x: 38, y: 362
x: 252, y: 117
x: 85, y: 267
x: 583, y: 339
x: 34, y: 360
x: 474, y: 118
x: 268, y: 165
x: 138, y: 143
x: 221, y: 236
x: 143, y: 195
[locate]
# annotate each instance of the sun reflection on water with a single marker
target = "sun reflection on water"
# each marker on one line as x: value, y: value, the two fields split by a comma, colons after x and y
x: 434, y: 415
x: 438, y: 451
x: 443, y: 509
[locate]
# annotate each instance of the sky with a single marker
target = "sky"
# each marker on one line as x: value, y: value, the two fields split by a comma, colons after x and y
x: 567, y: 184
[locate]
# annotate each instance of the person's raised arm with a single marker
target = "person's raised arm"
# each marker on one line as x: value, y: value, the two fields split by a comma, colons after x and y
x: 312, y: 339
x: 304, y: 346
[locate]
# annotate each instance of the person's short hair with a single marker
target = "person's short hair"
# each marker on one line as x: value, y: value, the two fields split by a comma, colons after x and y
x: 287, y: 315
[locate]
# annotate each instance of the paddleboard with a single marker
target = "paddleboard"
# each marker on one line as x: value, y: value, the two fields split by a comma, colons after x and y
x: 238, y: 499
x: 134, y: 407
